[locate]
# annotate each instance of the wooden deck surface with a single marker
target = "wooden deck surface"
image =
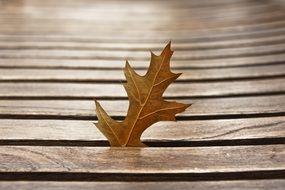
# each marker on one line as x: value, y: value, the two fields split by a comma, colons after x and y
x: 57, y: 56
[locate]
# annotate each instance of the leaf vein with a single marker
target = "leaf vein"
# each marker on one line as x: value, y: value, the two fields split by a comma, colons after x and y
x: 156, y: 111
x: 135, y: 85
x: 169, y: 78
x: 117, y: 138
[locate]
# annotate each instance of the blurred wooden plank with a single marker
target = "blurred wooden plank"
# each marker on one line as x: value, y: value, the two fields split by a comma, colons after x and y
x: 120, y: 63
x: 71, y: 4
x: 93, y: 13
x: 142, y: 55
x: 184, y: 131
x: 176, y: 90
x: 242, y: 107
x: 232, y: 14
x: 156, y: 32
x: 147, y: 11
x: 199, y: 185
x: 64, y: 75
x: 105, y: 160
x: 190, y: 36
x: 212, y: 27
x: 144, y: 21
x: 143, y: 46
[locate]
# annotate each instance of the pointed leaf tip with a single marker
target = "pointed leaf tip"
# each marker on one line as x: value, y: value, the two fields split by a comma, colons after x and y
x: 188, y: 105
x: 169, y: 43
x: 178, y: 74
x: 168, y: 46
x: 167, y: 50
x: 96, y: 103
x: 127, y: 65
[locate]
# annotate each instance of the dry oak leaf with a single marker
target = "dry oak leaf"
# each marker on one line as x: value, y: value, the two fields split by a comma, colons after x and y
x: 146, y: 105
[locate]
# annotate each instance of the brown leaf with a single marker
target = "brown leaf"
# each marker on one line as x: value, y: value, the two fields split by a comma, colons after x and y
x: 146, y: 105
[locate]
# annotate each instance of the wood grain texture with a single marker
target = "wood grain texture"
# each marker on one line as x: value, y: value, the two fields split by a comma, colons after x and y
x: 119, y: 64
x: 73, y: 30
x: 89, y: 91
x: 231, y: 52
x: 142, y: 160
x: 164, y: 30
x: 257, y: 15
x: 193, y: 37
x: 192, y: 4
x: 214, y: 185
x: 219, y: 107
x: 216, y: 23
x: 171, y: 7
x: 64, y: 75
x: 199, y: 130
x: 143, y: 55
x: 70, y: 29
x: 244, y: 13
x: 144, y: 46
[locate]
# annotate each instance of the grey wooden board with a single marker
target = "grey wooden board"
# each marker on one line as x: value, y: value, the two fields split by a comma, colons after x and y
x: 188, y: 90
x: 193, y: 37
x: 150, y: 23
x: 102, y: 75
x: 143, y: 46
x: 169, y: 34
x: 119, y: 64
x: 106, y: 160
x: 218, y: 23
x: 258, y: 12
x: 220, y: 107
x: 199, y: 130
x: 200, y: 185
x: 143, y: 55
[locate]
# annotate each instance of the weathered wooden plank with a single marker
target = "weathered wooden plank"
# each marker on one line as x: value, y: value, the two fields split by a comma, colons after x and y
x: 184, y: 131
x: 199, y: 185
x: 254, y: 10
x: 176, y: 9
x: 208, y: 108
x: 266, y: 71
x: 142, y: 55
x: 195, y: 4
x: 148, y: 9
x: 177, y: 46
x: 190, y: 36
x: 119, y: 64
x: 105, y: 160
x: 181, y: 5
x: 144, y: 22
x: 147, y: 20
x: 261, y: 11
x: 188, y: 90
x: 72, y: 29
x: 155, y: 31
